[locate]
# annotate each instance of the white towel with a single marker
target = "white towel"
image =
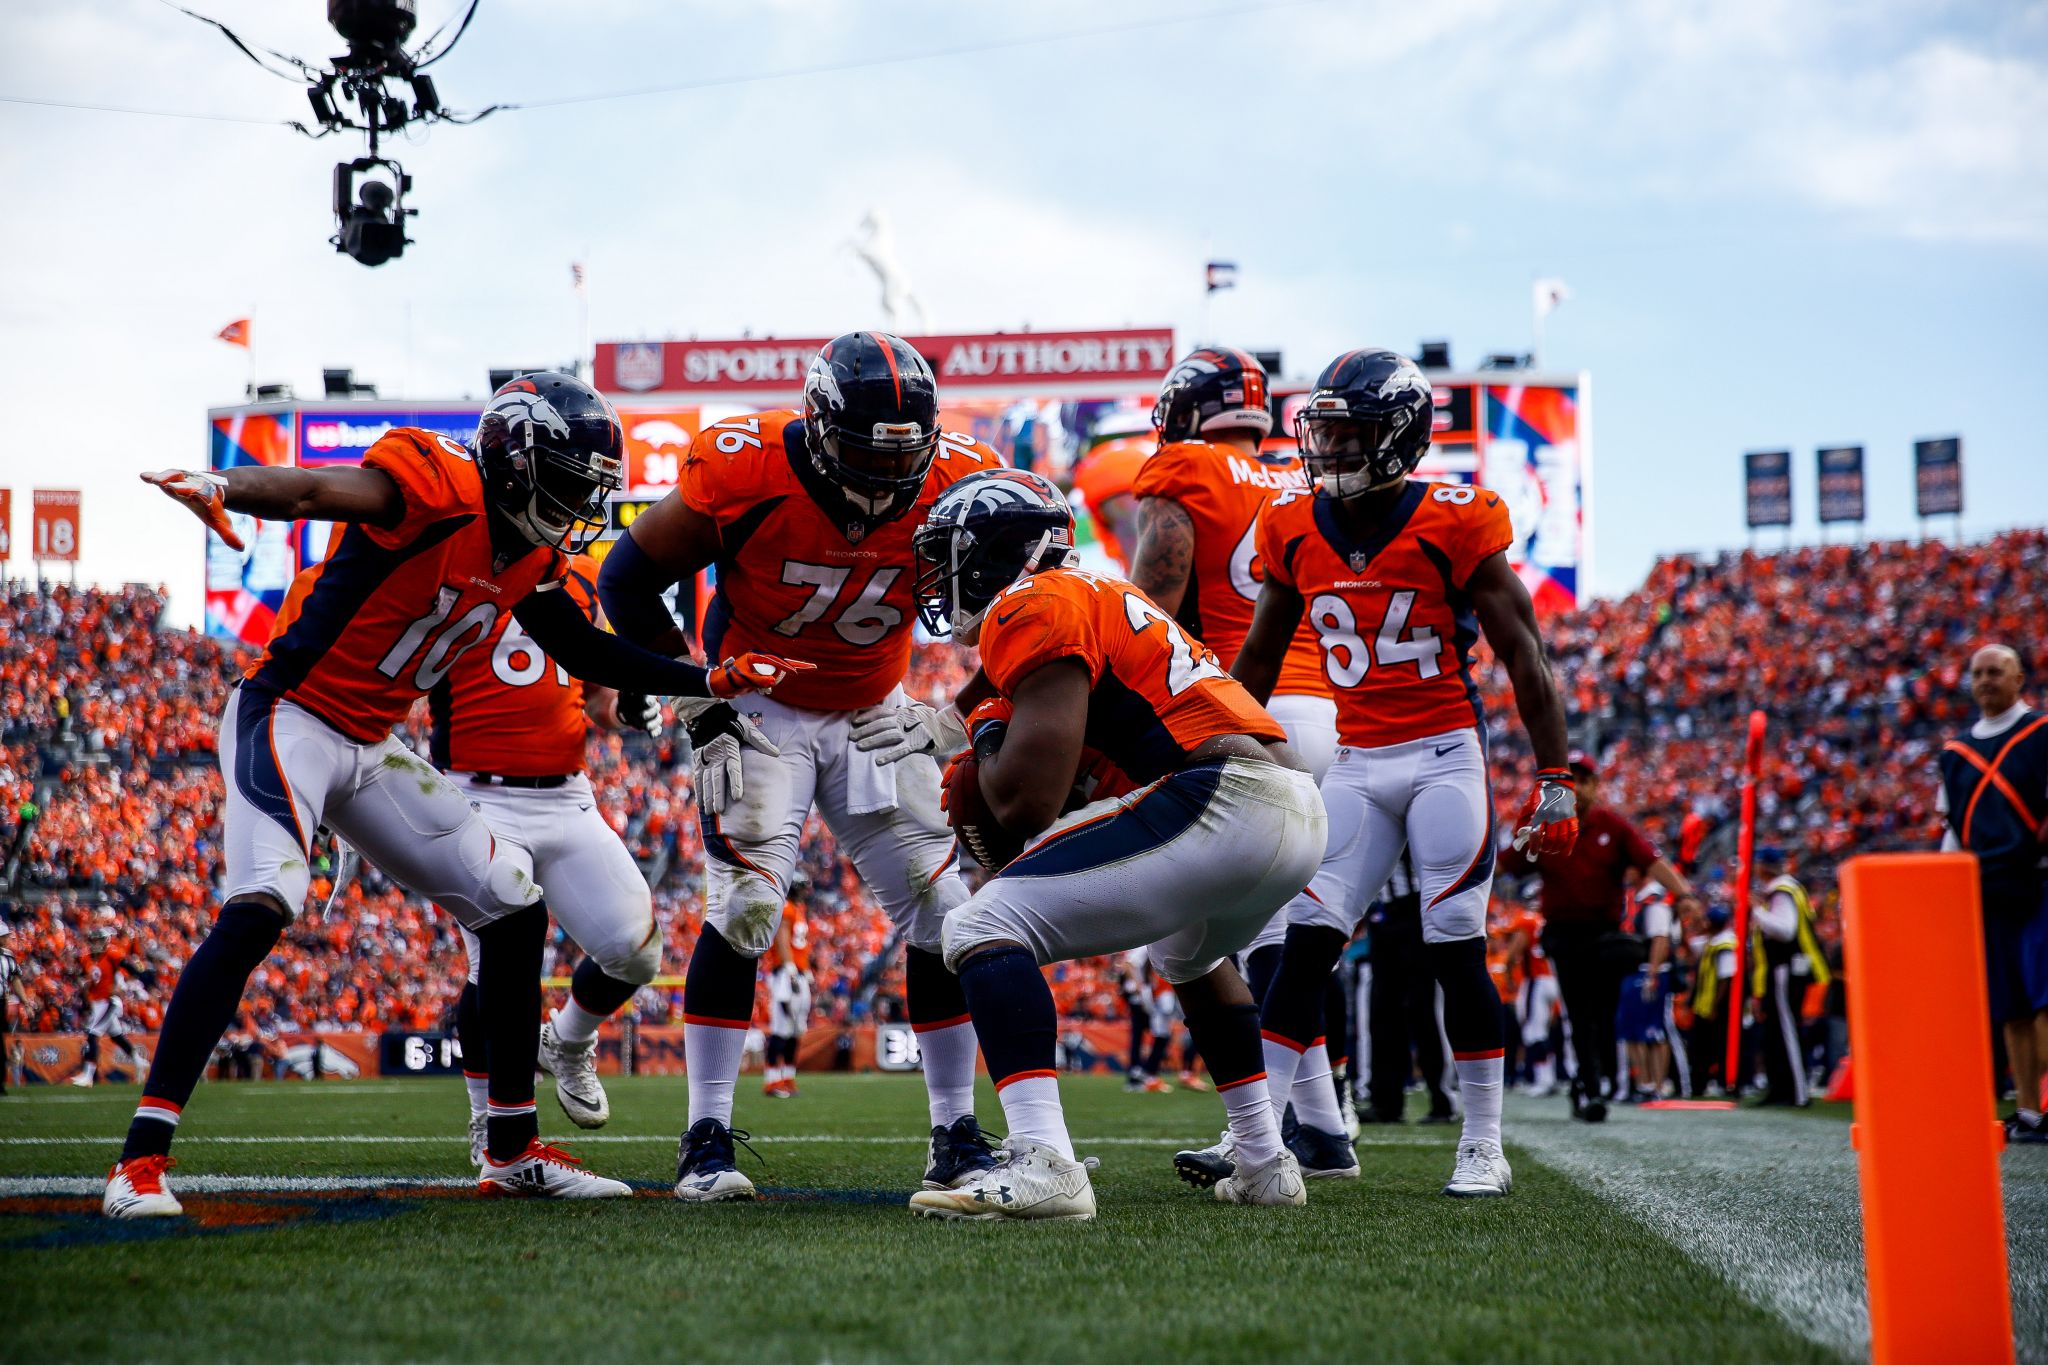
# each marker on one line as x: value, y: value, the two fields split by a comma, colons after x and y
x: 870, y: 785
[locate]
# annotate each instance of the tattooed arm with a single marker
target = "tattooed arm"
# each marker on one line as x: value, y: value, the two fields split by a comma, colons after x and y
x: 1166, y: 552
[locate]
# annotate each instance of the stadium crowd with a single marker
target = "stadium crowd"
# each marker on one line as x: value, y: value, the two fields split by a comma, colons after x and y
x: 111, y: 793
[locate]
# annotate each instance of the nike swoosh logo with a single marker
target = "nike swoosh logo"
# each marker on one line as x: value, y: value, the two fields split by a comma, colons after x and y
x: 1004, y: 619
x: 1443, y: 749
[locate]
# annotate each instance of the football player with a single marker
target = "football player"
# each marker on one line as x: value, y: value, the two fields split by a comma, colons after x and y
x: 105, y: 1015
x: 508, y: 723
x: 439, y: 539
x: 808, y: 517
x: 1397, y: 577
x: 789, y: 991
x: 1225, y: 828
x: 1198, y: 510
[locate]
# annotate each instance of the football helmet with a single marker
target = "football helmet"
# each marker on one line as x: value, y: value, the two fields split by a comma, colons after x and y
x: 983, y: 534
x: 1366, y: 424
x: 1214, y: 389
x: 871, y: 422
x: 551, y: 451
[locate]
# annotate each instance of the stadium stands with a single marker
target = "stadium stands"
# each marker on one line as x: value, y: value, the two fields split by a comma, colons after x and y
x: 110, y: 791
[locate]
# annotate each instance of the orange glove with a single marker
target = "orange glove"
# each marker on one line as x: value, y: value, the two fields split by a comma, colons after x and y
x: 988, y: 722
x: 204, y: 495
x: 1550, y: 818
x: 751, y: 672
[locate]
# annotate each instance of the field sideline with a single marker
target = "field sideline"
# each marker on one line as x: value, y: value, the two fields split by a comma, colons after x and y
x: 341, y: 1228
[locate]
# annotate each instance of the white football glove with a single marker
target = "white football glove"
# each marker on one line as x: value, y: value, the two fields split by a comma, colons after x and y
x: 894, y: 733
x: 718, y: 734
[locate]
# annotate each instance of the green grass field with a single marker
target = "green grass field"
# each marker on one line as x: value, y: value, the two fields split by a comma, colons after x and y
x: 1681, y: 1236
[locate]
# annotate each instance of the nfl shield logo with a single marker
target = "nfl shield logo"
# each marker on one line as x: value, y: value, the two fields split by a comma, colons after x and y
x: 1359, y: 559
x: 639, y: 366
x: 856, y: 533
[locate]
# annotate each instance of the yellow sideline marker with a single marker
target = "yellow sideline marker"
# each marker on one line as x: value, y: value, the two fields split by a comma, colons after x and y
x: 1926, y: 1134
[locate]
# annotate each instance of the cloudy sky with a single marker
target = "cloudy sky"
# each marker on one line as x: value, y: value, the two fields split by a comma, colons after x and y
x: 1783, y: 225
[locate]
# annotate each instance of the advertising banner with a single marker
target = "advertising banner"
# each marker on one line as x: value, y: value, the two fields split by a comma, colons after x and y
x: 1938, y: 476
x: 1533, y: 457
x: 1767, y: 487
x: 54, y: 533
x: 6, y: 524
x: 245, y: 588
x: 1841, y: 483
x: 1023, y: 360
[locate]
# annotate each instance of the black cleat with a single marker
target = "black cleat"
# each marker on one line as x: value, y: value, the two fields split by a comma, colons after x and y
x: 1587, y: 1108
x: 1202, y: 1167
x: 1323, y: 1156
x: 705, y: 1173
x: 2019, y: 1131
x: 958, y: 1153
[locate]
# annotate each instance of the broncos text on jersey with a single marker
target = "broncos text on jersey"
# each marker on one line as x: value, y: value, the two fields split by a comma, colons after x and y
x: 791, y: 580
x: 1391, y: 615
x: 1157, y: 694
x: 388, y: 613
x: 1222, y: 490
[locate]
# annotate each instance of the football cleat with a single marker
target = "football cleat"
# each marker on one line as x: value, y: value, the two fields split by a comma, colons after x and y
x: 1588, y: 1106
x: 544, y: 1172
x: 574, y: 1067
x: 1155, y: 1086
x: 1190, y: 1081
x: 705, y: 1173
x: 83, y: 1078
x: 959, y: 1153
x: 1323, y: 1156
x: 1482, y: 1171
x: 136, y: 1189
x: 1027, y: 1181
x: 2019, y: 1131
x: 1204, y: 1166
x: 1275, y: 1183
x: 479, y: 1138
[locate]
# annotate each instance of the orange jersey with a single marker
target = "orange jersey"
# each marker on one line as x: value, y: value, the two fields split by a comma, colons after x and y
x: 1391, y: 616
x: 388, y: 613
x: 100, y: 971
x: 1222, y: 490
x: 791, y: 581
x: 793, y: 939
x: 509, y: 709
x: 1157, y: 694
x: 1111, y: 470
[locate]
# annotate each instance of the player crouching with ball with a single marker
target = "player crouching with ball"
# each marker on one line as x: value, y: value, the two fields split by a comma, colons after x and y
x: 1221, y: 825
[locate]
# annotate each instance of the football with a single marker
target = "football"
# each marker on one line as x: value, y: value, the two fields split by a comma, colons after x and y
x: 968, y: 811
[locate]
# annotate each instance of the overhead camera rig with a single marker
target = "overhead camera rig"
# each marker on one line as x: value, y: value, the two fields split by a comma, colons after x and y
x: 376, y: 88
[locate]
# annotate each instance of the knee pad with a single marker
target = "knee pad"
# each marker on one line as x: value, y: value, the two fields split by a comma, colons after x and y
x: 637, y: 965
x: 926, y: 914
x: 971, y: 925
x: 508, y: 880
x: 746, y: 916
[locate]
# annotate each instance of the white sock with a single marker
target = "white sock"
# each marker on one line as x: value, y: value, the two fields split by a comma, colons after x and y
x: 1282, y: 1061
x: 1315, y: 1094
x: 479, y: 1091
x: 2027, y: 1116
x: 949, y: 1071
x: 1479, y: 1086
x: 1031, y: 1108
x: 1254, y: 1129
x: 711, y: 1055
x: 575, y: 1024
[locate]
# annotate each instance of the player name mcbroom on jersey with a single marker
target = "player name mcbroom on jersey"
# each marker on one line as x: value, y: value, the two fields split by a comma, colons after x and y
x: 1397, y: 578
x: 509, y: 724
x: 808, y: 518
x: 1076, y: 662
x: 438, y: 540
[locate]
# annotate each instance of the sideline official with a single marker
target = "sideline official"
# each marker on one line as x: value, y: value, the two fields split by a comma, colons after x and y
x: 1994, y: 795
x: 1584, y: 897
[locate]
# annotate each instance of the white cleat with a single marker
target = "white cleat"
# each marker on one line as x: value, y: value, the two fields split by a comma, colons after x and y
x: 136, y: 1189
x: 544, y: 1172
x: 574, y: 1067
x: 1027, y: 1182
x: 1276, y: 1183
x: 1482, y: 1171
x: 83, y: 1078
x: 479, y: 1139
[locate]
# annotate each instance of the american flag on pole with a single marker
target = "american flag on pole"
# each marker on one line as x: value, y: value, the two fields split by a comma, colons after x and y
x: 576, y: 276
x: 1222, y: 275
x: 235, y: 333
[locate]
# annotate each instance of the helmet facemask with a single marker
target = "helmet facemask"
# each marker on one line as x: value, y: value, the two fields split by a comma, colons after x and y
x: 554, y: 491
x: 962, y: 574
x: 880, y: 472
x: 1349, y: 456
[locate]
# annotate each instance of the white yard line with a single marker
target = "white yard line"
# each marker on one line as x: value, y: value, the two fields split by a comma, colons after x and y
x: 27, y: 1187
x: 575, y: 1139
x: 1771, y: 1202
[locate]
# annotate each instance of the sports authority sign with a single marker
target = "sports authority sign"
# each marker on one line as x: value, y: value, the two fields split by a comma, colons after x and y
x: 6, y: 523
x: 1137, y: 357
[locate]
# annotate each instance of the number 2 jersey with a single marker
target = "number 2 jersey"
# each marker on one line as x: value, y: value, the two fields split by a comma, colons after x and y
x: 1222, y: 489
x: 792, y: 580
x: 1391, y: 614
x: 1157, y: 695
x: 388, y: 613
x: 506, y: 707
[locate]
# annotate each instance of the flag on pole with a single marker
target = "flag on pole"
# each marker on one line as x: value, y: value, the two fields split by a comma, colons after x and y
x: 1549, y: 294
x: 576, y: 276
x: 1222, y: 275
x: 235, y: 333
